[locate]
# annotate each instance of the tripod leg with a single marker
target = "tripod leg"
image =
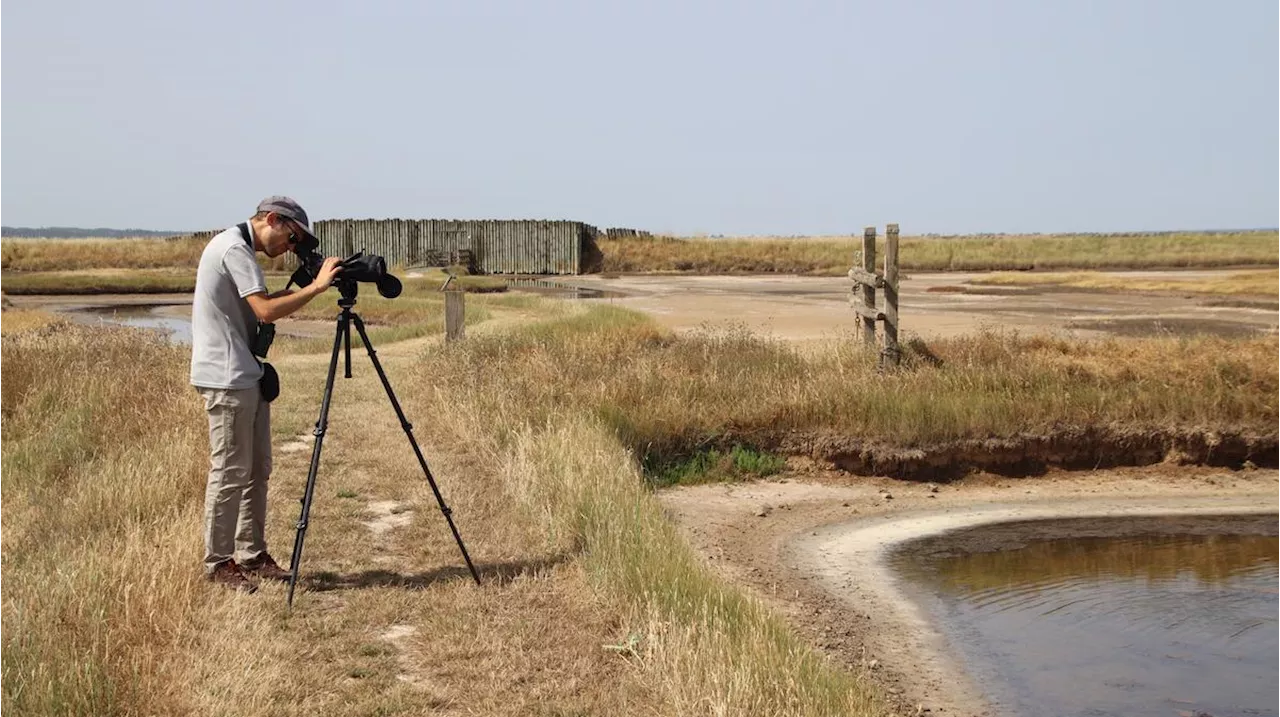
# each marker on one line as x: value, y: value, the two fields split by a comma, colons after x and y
x: 408, y: 430
x: 295, y: 561
x: 346, y: 347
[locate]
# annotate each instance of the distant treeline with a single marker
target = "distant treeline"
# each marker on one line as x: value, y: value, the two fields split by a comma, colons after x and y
x: 78, y: 233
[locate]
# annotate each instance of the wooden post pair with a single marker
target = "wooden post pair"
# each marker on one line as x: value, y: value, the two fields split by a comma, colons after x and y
x: 869, y: 280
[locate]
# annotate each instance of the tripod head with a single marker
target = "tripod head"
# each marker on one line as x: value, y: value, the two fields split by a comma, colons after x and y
x: 349, y: 288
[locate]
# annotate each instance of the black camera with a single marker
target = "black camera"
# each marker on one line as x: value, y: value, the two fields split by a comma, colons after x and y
x: 358, y: 267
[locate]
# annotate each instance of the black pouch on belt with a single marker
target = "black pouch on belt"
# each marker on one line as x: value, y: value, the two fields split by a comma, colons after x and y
x: 269, y: 384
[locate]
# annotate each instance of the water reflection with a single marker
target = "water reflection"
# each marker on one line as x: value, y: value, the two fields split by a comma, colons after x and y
x: 1146, y: 624
x: 142, y: 316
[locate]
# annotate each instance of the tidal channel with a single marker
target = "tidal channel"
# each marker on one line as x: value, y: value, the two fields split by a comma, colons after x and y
x: 143, y: 316
x: 1168, y: 617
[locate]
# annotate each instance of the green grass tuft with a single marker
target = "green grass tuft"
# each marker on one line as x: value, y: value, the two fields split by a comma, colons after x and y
x: 712, y: 465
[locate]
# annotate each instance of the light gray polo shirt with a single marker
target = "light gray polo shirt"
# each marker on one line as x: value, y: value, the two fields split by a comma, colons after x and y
x: 222, y: 324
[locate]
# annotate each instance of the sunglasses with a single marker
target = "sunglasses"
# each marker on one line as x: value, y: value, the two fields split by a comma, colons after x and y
x: 293, y: 234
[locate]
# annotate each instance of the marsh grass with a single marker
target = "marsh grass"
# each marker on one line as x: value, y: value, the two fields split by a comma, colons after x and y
x: 101, y: 281
x: 823, y: 256
x: 669, y: 397
x: 476, y: 284
x: 100, y: 464
x: 713, y: 465
x: 835, y: 255
x: 704, y: 646
x: 81, y: 254
x: 537, y: 428
x: 103, y: 467
x: 17, y: 321
x: 573, y: 406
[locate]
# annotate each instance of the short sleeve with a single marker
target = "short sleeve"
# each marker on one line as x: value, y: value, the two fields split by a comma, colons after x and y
x: 244, y: 271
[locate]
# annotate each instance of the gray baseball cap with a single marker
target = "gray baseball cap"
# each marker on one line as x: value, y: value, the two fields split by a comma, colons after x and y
x: 290, y: 209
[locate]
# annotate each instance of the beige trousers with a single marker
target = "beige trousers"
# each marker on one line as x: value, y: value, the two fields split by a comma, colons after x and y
x: 235, y: 499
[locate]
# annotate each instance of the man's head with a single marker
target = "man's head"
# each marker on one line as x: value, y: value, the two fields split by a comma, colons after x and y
x: 281, y: 225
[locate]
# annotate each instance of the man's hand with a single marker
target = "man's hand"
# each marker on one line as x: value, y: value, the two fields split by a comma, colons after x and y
x: 328, y: 271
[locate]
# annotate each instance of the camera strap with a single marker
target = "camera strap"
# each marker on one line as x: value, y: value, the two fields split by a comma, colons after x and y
x: 269, y: 384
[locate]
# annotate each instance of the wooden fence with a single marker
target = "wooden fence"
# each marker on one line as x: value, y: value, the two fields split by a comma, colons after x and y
x: 485, y: 246
x: 865, y: 282
x: 625, y: 233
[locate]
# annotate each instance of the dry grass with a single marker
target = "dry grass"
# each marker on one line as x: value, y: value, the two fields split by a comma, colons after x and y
x: 570, y: 406
x: 104, y: 459
x: 437, y: 278
x: 107, y: 613
x: 833, y: 256
x: 17, y: 321
x: 1264, y: 283
x: 76, y: 254
x: 101, y: 281
x: 418, y: 311
x: 101, y: 461
x: 535, y: 430
x: 21, y: 320
x: 703, y: 646
x: 109, y: 266
x: 669, y: 396
x: 826, y: 256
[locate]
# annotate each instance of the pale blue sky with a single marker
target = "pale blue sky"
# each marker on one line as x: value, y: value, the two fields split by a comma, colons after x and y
x: 677, y: 116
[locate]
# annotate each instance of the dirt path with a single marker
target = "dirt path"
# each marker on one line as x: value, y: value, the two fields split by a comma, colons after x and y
x: 811, y: 545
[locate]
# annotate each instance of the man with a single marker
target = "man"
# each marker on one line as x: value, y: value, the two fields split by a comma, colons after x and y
x: 230, y: 299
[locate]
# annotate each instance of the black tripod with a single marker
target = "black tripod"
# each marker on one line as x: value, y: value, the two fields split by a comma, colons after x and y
x: 342, y: 340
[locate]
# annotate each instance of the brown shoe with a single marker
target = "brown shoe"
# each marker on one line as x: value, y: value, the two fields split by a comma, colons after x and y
x: 266, y: 568
x: 230, y: 575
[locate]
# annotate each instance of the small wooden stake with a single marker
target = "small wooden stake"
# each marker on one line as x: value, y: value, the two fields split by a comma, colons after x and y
x: 455, y: 314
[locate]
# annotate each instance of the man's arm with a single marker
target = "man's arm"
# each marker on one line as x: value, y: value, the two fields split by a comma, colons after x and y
x: 268, y: 308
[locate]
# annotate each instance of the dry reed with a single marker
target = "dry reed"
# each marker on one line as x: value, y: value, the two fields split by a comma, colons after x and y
x: 834, y: 256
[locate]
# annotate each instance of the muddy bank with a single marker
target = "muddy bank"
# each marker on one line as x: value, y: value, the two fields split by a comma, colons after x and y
x: 1034, y: 454
x: 813, y: 546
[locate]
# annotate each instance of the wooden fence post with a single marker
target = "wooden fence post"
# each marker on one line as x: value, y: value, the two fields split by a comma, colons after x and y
x: 454, y: 314
x: 891, y: 351
x: 869, y: 290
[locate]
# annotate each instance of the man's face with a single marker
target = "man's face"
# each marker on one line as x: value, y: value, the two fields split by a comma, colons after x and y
x: 281, y: 236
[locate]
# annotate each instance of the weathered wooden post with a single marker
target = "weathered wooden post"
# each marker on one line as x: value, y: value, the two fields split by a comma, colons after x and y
x: 868, y: 288
x: 454, y: 314
x: 864, y: 302
x: 892, y: 353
